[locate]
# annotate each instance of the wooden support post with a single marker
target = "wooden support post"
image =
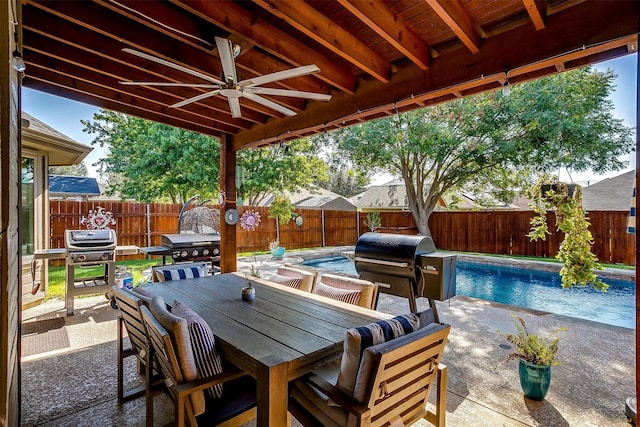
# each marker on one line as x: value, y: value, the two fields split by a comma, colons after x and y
x: 228, y: 244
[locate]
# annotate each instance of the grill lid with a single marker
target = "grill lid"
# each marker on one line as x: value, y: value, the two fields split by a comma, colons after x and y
x: 90, y: 238
x: 391, y: 254
x: 190, y: 240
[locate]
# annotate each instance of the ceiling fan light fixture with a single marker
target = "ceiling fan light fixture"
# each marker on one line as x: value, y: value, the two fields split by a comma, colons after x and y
x: 236, y: 49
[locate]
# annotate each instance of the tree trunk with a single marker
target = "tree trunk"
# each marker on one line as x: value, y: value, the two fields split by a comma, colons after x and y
x: 422, y: 222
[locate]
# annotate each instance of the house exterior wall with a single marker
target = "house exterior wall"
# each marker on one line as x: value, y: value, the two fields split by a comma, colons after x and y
x: 10, y: 87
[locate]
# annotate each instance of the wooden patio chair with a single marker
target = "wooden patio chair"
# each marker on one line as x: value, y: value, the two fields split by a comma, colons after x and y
x: 392, y: 385
x: 130, y: 319
x: 192, y: 406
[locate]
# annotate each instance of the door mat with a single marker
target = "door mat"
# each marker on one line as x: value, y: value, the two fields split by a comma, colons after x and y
x: 44, y: 335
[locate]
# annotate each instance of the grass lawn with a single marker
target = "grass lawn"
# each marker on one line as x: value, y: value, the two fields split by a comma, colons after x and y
x: 56, y: 274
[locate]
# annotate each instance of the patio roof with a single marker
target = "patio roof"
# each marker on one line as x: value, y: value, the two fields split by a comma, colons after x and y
x: 375, y: 57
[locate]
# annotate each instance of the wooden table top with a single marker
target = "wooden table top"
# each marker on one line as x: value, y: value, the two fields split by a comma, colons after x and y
x: 282, y: 325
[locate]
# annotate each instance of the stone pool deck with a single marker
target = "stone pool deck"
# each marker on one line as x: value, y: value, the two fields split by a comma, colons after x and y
x: 68, y: 377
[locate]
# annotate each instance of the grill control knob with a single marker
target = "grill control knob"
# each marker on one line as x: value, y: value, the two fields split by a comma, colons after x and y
x: 105, y: 255
x: 183, y: 254
x: 205, y: 252
x: 194, y: 253
x: 216, y: 251
x: 82, y: 257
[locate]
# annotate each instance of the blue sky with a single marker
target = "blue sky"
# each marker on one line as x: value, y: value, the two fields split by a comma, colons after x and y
x: 65, y: 115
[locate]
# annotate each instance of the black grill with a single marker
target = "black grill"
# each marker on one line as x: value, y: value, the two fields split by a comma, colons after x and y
x: 406, y: 266
x: 192, y: 246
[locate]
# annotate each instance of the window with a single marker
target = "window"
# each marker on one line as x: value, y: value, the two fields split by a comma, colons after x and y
x: 27, y: 227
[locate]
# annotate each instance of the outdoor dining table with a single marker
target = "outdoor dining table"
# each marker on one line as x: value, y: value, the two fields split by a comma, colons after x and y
x: 281, y: 335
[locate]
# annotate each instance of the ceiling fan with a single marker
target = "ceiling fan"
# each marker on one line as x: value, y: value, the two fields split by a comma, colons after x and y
x: 230, y: 87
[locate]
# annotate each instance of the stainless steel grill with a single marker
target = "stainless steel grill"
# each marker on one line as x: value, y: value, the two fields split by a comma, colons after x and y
x: 406, y: 266
x: 192, y: 246
x: 88, y: 248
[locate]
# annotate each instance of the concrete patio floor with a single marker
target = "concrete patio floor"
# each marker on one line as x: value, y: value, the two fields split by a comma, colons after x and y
x: 69, y: 367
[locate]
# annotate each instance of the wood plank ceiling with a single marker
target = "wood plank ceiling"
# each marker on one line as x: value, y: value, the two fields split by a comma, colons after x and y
x: 375, y: 57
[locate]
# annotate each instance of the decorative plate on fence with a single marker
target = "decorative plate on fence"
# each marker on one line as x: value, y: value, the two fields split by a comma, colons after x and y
x: 250, y: 220
x: 231, y: 216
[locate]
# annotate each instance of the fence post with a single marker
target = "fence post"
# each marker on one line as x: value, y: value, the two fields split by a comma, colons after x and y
x: 358, y: 223
x: 277, y: 229
x: 148, y: 209
x: 322, y: 216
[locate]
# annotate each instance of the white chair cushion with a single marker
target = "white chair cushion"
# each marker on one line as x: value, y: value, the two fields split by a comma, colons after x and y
x: 206, y: 356
x: 307, y: 278
x: 292, y: 282
x: 358, y: 339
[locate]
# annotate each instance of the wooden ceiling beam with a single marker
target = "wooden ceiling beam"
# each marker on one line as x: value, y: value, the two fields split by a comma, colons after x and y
x: 106, y: 22
x: 104, y: 54
x: 310, y: 22
x: 106, y: 91
x: 140, y: 108
x: 52, y: 88
x: 173, y: 22
x: 453, y: 13
x: 535, y: 9
x: 79, y: 71
x: 377, y: 16
x: 235, y: 19
x: 566, y: 33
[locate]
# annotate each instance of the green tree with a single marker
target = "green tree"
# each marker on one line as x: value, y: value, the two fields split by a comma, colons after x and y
x: 73, y: 170
x: 343, y: 178
x: 492, y: 143
x: 150, y: 161
x: 279, y: 168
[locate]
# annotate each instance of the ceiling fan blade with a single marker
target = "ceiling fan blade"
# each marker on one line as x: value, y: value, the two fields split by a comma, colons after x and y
x: 195, y: 98
x: 286, y: 92
x: 270, y: 104
x: 225, y: 51
x: 234, y: 106
x: 280, y: 75
x: 172, y: 65
x: 198, y: 85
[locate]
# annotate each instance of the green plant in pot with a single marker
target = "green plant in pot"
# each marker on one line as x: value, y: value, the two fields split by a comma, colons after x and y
x: 574, y: 252
x: 536, y: 355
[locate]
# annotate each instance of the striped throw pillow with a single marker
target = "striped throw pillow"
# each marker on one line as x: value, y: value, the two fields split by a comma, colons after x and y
x: 178, y: 274
x: 359, y: 339
x: 203, y: 345
x: 292, y: 282
x: 351, y: 296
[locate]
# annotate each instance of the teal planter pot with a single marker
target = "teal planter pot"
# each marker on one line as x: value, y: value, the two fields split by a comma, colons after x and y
x: 277, y: 253
x: 534, y: 379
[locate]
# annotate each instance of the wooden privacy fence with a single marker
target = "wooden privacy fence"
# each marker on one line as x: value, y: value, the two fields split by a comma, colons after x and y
x: 493, y: 232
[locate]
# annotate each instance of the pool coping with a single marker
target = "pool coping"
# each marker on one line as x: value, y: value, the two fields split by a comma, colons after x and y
x: 612, y: 273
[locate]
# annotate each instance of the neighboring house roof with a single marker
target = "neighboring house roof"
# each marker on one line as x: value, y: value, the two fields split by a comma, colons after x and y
x: 334, y: 203
x: 316, y: 198
x: 611, y: 194
x: 389, y: 196
x: 62, y: 150
x: 72, y: 186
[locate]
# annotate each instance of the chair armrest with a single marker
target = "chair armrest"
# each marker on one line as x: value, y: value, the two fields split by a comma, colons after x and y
x: 190, y: 387
x: 347, y: 402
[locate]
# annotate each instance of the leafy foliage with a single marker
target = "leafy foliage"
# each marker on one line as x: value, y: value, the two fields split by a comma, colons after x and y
x: 491, y: 144
x: 344, y: 179
x: 373, y: 220
x: 149, y: 161
x: 72, y: 170
x: 279, y: 168
x: 575, y: 249
x: 281, y: 209
x: 533, y: 348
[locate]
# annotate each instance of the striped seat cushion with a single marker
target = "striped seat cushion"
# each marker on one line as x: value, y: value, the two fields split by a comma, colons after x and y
x: 351, y: 296
x: 292, y: 282
x: 359, y: 339
x: 178, y: 274
x: 206, y: 356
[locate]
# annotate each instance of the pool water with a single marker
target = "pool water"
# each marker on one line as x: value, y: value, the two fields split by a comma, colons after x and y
x: 534, y: 289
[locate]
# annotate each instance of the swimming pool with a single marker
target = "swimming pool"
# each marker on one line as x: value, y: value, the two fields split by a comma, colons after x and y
x: 534, y: 289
